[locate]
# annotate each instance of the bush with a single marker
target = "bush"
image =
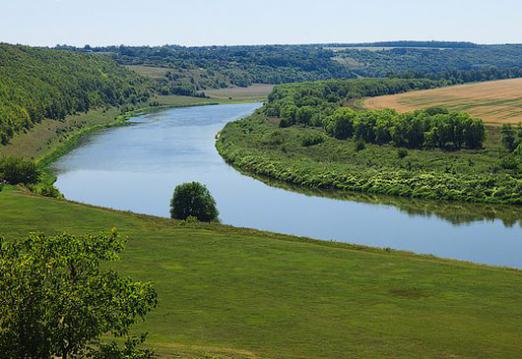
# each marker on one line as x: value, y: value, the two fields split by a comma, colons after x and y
x: 312, y: 139
x: 509, y: 163
x: 193, y: 200
x: 15, y: 171
x: 360, y: 145
x: 402, y: 153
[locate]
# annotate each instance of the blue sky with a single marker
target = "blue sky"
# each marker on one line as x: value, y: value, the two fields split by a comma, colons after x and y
x: 220, y: 22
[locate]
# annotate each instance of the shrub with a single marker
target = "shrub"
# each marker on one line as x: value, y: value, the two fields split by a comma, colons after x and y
x: 508, y: 137
x: 15, y: 171
x: 509, y: 163
x: 360, y: 145
x: 274, y: 138
x: 312, y: 139
x: 193, y: 200
x: 402, y: 153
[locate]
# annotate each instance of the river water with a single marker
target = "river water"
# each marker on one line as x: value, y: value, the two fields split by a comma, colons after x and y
x: 137, y: 167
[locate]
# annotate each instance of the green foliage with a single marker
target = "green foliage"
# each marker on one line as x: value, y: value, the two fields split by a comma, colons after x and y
x: 130, y: 350
x: 453, y: 63
x: 18, y: 171
x: 402, y: 153
x: 56, y: 300
x: 215, y: 281
x: 508, y: 138
x: 191, y: 70
x: 313, y: 139
x: 360, y: 145
x: 469, y: 175
x: 320, y: 104
x: 340, y: 124
x: 193, y: 200
x: 40, y: 83
x: 197, y: 68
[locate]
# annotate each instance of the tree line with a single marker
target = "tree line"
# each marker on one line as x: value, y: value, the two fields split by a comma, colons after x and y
x: 431, y: 128
x: 308, y: 103
x: 320, y: 104
x: 40, y: 83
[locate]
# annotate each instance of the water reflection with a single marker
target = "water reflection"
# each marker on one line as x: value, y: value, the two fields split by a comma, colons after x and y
x: 137, y: 167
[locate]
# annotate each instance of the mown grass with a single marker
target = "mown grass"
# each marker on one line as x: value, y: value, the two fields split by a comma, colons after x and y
x: 239, y: 293
x: 254, y: 93
x: 258, y: 146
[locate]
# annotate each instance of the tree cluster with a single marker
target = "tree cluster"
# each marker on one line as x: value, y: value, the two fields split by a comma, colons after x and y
x: 40, y: 83
x: 309, y: 103
x: 432, y: 128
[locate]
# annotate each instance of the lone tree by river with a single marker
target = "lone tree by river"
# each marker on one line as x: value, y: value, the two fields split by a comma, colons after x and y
x: 193, y: 200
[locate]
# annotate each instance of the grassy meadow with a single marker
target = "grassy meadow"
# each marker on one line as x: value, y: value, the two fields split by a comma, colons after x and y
x: 495, y: 102
x: 239, y: 293
x: 254, y: 93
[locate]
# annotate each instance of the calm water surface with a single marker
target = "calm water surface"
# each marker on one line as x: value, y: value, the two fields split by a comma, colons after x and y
x: 137, y: 167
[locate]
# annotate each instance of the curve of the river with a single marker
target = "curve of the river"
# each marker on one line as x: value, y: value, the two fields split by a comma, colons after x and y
x: 137, y: 167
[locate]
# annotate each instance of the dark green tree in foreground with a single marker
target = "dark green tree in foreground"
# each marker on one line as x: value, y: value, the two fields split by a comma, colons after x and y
x: 57, y: 301
x: 193, y: 200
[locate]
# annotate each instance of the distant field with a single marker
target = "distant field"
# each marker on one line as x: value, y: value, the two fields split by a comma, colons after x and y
x: 254, y: 92
x: 149, y: 71
x: 494, y: 101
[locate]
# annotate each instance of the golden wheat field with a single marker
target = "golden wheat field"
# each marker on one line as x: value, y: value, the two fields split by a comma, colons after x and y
x: 493, y: 101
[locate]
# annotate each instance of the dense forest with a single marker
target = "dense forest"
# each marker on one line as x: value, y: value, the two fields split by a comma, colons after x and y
x: 319, y: 104
x: 199, y: 68
x: 317, y: 99
x: 41, y: 83
x: 191, y: 70
x: 458, y: 64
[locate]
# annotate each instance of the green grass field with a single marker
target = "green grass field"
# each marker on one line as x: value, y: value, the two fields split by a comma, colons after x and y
x: 238, y: 293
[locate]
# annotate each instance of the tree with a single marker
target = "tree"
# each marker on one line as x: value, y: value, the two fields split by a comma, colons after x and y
x: 56, y: 300
x: 508, y: 137
x: 340, y: 124
x: 193, y: 200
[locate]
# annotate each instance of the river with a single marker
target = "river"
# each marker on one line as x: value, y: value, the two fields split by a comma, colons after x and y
x: 136, y: 168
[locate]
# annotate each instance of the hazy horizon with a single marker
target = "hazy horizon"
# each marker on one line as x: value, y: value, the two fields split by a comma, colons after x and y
x: 234, y: 22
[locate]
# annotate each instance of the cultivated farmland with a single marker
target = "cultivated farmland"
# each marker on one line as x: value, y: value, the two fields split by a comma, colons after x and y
x: 494, y: 101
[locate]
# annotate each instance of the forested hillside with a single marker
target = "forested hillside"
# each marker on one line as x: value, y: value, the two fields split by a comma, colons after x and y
x: 464, y: 63
x: 40, y: 83
x: 191, y: 70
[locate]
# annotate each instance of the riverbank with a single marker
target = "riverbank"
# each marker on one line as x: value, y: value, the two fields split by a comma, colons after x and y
x: 284, y: 296
x: 47, y: 140
x: 257, y: 145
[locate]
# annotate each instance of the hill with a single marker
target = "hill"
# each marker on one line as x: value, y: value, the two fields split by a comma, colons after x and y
x: 38, y: 84
x: 494, y: 102
x: 192, y: 70
x: 239, y: 293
